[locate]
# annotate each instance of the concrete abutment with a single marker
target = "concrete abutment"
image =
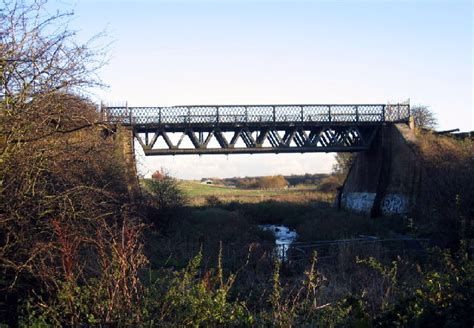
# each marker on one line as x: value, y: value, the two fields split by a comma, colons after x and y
x: 384, y: 180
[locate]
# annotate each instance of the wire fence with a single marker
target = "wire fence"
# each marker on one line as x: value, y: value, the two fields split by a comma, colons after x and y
x: 297, y: 254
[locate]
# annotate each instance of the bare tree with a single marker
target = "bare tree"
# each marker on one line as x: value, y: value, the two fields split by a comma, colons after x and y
x: 39, y: 58
x: 64, y: 217
x: 424, y: 117
x: 343, y: 163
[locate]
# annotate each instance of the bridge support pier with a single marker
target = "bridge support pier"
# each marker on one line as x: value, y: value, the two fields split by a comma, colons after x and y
x: 384, y: 180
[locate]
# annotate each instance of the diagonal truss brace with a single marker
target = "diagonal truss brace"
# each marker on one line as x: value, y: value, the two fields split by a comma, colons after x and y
x: 262, y: 140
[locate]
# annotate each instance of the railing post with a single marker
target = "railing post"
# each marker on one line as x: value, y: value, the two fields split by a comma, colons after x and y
x: 217, y: 114
x: 246, y: 115
x: 357, y: 113
x: 129, y: 112
x: 398, y: 111
x: 302, y: 114
x: 159, y: 115
x: 189, y: 115
x: 329, y: 113
x: 274, y: 114
x: 383, y: 113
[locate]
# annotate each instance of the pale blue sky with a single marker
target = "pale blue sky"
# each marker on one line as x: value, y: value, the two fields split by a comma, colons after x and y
x: 257, y: 52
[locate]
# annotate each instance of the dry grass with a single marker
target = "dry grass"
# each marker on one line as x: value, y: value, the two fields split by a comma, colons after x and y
x: 197, y: 194
x: 446, y: 194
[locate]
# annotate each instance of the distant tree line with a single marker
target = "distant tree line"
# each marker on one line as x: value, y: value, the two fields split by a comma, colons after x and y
x: 267, y: 182
x: 252, y: 182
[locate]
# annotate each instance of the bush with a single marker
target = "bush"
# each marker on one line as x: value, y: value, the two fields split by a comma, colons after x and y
x: 330, y: 183
x: 442, y: 296
x: 165, y: 193
x: 213, y: 201
x: 272, y: 182
x: 446, y: 197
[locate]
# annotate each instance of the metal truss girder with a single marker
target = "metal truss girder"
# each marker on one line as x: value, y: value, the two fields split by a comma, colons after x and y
x: 248, y: 139
x: 235, y: 138
x: 348, y: 138
x: 301, y: 138
x: 261, y: 137
x: 274, y: 138
x: 221, y: 138
x: 192, y: 137
x: 256, y: 150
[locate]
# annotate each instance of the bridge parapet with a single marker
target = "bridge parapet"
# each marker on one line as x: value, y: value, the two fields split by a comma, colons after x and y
x: 259, y: 114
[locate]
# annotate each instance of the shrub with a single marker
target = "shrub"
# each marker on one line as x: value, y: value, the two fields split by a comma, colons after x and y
x: 330, y: 183
x: 272, y: 182
x: 193, y: 299
x: 165, y: 193
x: 446, y: 196
x: 213, y: 201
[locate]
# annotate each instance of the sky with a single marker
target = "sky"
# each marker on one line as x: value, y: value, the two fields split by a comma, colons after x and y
x: 280, y: 52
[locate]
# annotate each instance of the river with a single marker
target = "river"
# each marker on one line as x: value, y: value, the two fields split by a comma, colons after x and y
x: 284, y: 237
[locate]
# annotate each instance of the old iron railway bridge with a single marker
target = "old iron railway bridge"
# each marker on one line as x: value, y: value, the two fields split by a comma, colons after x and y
x: 248, y: 129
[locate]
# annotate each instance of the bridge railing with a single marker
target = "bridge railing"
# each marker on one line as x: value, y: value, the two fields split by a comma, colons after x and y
x: 245, y: 114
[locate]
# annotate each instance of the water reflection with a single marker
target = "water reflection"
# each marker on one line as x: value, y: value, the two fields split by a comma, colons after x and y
x: 284, y: 237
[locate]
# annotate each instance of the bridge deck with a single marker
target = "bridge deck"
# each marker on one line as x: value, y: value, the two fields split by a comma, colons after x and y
x: 262, y: 128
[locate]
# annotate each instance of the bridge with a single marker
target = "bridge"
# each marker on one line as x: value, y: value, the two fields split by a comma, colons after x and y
x: 248, y: 129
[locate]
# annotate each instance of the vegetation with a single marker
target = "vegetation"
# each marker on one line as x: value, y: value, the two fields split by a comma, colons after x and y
x: 293, y: 180
x: 446, y: 203
x: 270, y: 182
x: 273, y: 182
x: 70, y: 247
x: 423, y: 117
x: 198, y: 193
x: 165, y: 193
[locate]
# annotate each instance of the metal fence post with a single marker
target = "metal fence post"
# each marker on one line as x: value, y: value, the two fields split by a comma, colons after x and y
x: 383, y: 113
x: 302, y: 114
x: 329, y: 112
x: 357, y: 113
x: 159, y: 115
x: 274, y: 114
x: 217, y: 114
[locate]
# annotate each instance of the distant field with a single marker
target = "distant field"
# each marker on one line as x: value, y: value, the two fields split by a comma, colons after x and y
x: 198, y: 192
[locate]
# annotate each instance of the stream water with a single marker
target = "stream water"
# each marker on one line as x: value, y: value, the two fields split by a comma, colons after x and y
x: 284, y: 237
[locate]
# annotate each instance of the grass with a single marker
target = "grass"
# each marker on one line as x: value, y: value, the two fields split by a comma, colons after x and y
x: 197, y: 194
x: 302, y: 208
x: 230, y: 227
x: 233, y: 221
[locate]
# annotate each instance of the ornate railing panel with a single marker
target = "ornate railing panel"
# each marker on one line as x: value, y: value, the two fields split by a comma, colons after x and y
x: 268, y: 114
